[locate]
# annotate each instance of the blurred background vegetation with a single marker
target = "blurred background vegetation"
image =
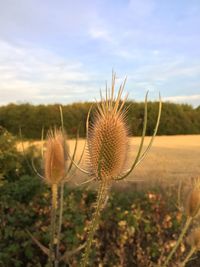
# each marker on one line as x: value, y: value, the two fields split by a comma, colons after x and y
x: 137, y: 228
x: 176, y: 118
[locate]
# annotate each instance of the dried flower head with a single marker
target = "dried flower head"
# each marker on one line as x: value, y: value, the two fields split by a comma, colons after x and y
x: 194, y: 238
x: 192, y: 206
x: 55, y: 157
x: 107, y: 140
x: 108, y: 137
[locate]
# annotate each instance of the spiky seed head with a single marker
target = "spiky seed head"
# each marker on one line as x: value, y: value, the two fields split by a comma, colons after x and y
x: 194, y: 238
x: 108, y: 137
x: 192, y: 206
x: 55, y: 157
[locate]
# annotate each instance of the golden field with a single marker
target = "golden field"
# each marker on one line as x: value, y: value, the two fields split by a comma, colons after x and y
x: 171, y: 158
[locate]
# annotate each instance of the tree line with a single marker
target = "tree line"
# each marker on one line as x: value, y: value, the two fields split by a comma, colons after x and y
x: 31, y: 119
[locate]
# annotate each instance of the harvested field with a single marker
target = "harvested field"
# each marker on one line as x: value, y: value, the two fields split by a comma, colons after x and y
x: 170, y: 159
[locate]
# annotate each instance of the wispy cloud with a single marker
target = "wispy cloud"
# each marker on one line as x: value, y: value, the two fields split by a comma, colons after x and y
x: 167, y: 68
x: 101, y: 34
x: 32, y: 74
x: 186, y: 99
x: 64, y: 51
x: 182, y: 98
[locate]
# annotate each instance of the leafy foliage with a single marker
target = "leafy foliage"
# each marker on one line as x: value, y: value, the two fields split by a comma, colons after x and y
x: 175, y: 119
x: 13, y: 164
x: 135, y: 229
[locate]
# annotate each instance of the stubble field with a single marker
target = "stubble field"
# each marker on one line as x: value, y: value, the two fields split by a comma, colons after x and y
x: 170, y: 159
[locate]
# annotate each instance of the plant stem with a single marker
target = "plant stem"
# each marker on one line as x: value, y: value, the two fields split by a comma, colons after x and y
x: 185, y: 228
x: 191, y: 252
x: 60, y: 221
x: 102, y: 195
x: 54, y: 192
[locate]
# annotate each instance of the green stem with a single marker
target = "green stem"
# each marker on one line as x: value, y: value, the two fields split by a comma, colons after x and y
x: 102, y: 194
x: 191, y: 252
x: 59, y: 222
x: 185, y: 228
x: 53, y: 225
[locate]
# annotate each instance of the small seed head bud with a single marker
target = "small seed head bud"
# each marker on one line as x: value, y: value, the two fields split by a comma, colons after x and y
x: 194, y: 238
x: 193, y: 203
x: 54, y: 159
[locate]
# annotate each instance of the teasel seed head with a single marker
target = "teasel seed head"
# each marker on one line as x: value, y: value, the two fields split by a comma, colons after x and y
x: 192, y: 206
x: 55, y: 157
x: 194, y: 239
x: 108, y: 137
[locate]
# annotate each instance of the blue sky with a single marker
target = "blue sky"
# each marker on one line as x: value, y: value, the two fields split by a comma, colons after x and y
x: 64, y: 51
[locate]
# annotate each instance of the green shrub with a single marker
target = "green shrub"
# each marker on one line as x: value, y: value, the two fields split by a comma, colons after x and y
x: 176, y: 118
x: 14, y: 164
x: 134, y: 229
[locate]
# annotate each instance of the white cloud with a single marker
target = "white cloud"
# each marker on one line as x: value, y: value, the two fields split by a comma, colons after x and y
x: 102, y: 34
x: 165, y: 69
x: 29, y: 73
x: 182, y: 98
x: 186, y: 99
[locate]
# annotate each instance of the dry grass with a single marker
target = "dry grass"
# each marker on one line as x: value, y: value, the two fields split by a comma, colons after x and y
x: 170, y: 159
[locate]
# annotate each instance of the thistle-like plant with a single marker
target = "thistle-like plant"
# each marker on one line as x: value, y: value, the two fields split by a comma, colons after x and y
x: 107, y: 141
x: 192, y: 210
x: 194, y: 242
x: 58, y: 169
x: 55, y: 166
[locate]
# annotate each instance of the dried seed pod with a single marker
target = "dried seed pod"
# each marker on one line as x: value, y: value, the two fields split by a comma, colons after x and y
x: 194, y: 239
x: 55, y: 157
x: 192, y: 206
x: 108, y: 139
